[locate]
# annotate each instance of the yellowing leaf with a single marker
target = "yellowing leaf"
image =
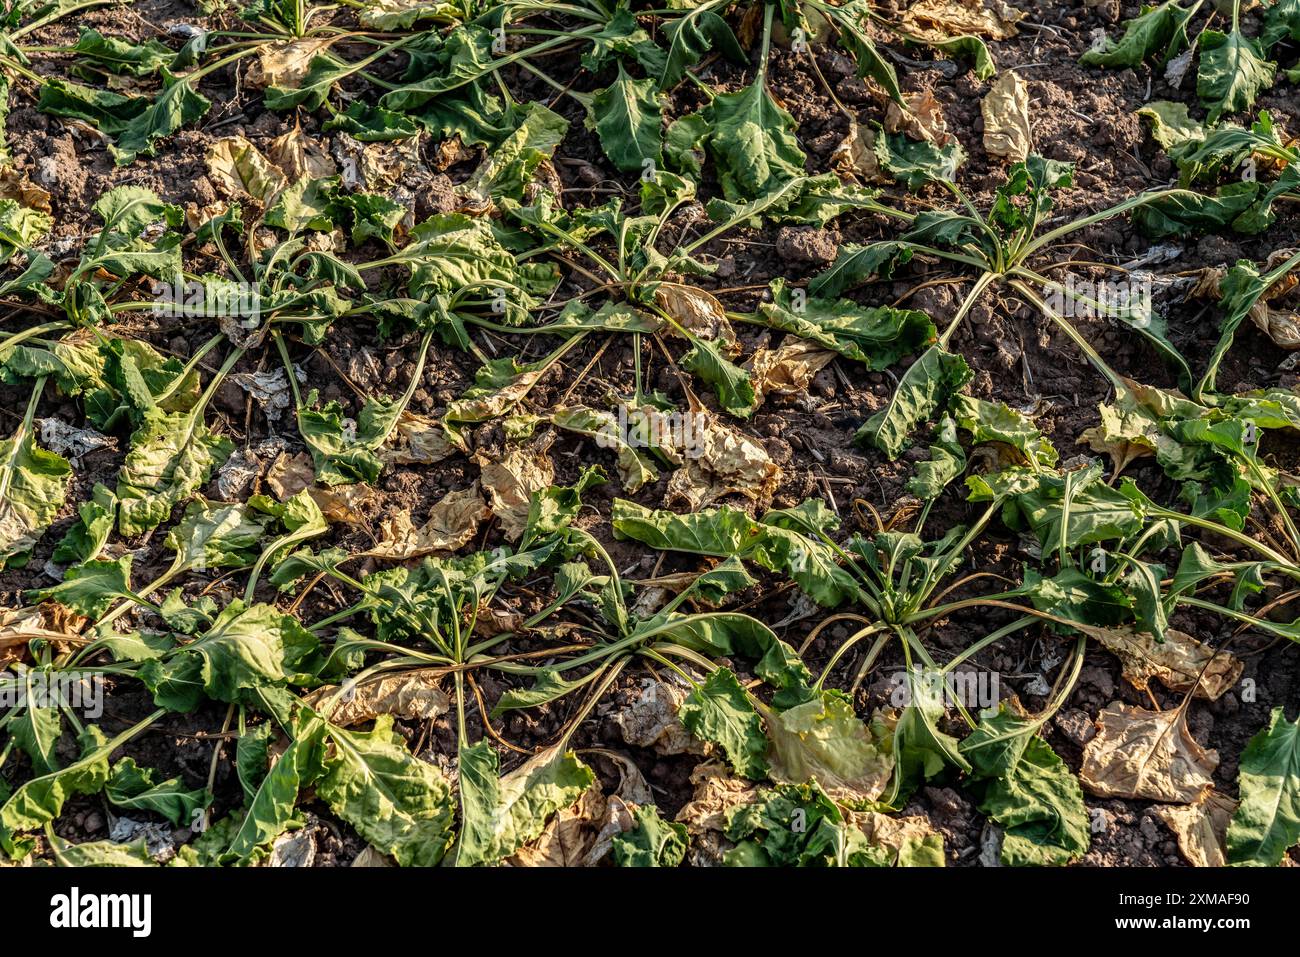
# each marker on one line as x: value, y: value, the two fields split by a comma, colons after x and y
x: 1201, y: 827
x: 511, y: 480
x: 452, y: 522
x: 937, y: 20
x: 1006, y: 118
x: 407, y: 694
x: 239, y: 167
x: 1146, y: 754
x: 285, y: 64
x: 1177, y: 661
x: 824, y: 741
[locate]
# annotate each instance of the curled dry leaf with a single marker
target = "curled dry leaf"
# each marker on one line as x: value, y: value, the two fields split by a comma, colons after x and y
x: 717, y: 460
x: 344, y: 503
x: 1281, y: 324
x: 18, y: 626
x: 578, y: 836
x: 1201, y: 827
x: 369, y: 857
x: 239, y: 167
x: 717, y: 791
x: 299, y: 155
x: 698, y: 312
x: 789, y: 369
x: 1178, y: 661
x: 854, y: 160
x: 285, y: 64
x: 902, y: 835
x: 270, y: 389
x: 71, y: 442
x: 937, y: 20
x: 290, y: 474
x: 1006, y: 118
x: 582, y: 835
x: 512, y: 478
x: 1146, y: 754
x: 651, y: 721
x: 16, y: 186
x: 379, y: 166
x: 409, y: 694
x: 452, y: 522
x: 418, y: 440
x: 922, y: 120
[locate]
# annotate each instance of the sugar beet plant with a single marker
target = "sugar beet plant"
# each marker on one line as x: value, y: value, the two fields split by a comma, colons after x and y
x: 262, y: 591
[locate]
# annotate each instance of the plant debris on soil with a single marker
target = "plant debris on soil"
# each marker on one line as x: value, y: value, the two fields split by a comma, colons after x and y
x: 609, y: 433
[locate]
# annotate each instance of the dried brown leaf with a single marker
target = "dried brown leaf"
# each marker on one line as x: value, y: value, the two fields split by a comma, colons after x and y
x: 698, y: 312
x: 1200, y: 827
x: 1006, y: 118
x: 1146, y: 754
x: 511, y: 479
x: 943, y: 19
x: 1177, y: 661
x: 285, y: 64
x: 239, y: 167
x: 408, y: 694
x: 452, y: 522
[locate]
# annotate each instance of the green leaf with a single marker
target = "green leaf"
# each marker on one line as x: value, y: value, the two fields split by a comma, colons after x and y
x: 690, y: 37
x: 918, y: 162
x: 730, y: 382
x: 101, y: 853
x: 89, y: 534
x: 1027, y: 789
x: 119, y: 56
x: 1281, y: 22
x: 1232, y: 72
x: 177, y: 105
x: 400, y: 804
x: 1267, y: 821
x: 271, y: 810
x: 857, y: 265
x: 792, y: 826
x: 752, y: 142
x: 89, y: 588
x: 41, y: 799
x: 499, y: 815
x: 133, y: 788
x: 1184, y: 212
x: 875, y: 335
x: 37, y: 728
x: 371, y: 124
x: 926, y: 387
x: 719, y: 711
x: 172, y: 455
x: 653, y: 842
x: 1157, y: 34
x: 628, y: 117
x: 33, y: 485
x: 245, y: 650
x: 1171, y: 124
